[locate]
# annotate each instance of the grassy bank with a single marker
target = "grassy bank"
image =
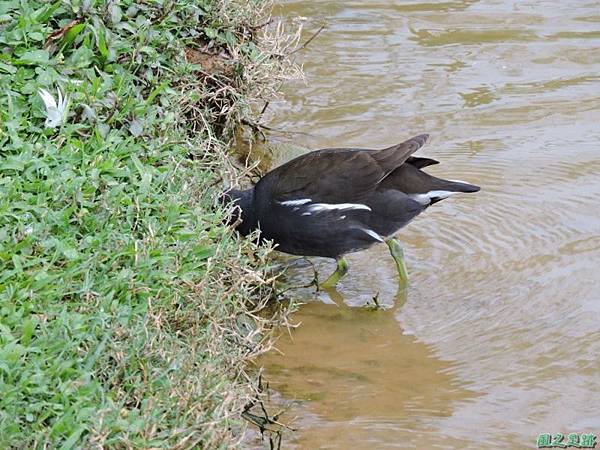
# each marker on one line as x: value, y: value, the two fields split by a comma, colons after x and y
x: 124, y: 312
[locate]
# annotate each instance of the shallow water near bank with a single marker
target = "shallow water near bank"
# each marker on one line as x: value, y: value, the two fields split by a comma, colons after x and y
x: 498, y: 335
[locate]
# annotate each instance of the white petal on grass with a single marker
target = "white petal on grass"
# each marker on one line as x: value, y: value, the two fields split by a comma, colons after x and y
x: 55, y: 111
x: 71, y: 81
x: 47, y: 98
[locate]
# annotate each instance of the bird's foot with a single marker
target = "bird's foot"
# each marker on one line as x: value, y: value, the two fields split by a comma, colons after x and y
x: 340, y: 271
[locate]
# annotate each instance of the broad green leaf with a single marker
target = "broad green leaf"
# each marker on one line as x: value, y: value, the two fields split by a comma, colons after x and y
x: 7, y: 68
x: 44, y: 14
x: 82, y: 57
x: 101, y: 41
x: 71, y: 35
x: 34, y: 57
x: 27, y: 332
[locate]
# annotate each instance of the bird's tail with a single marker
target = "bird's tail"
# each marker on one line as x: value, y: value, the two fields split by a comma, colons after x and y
x: 421, y: 186
x: 440, y: 189
x: 455, y: 186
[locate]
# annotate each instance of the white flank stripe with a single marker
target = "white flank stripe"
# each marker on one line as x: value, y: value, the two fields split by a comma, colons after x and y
x: 301, y: 201
x: 331, y: 206
x: 458, y: 181
x: 425, y: 198
x: 373, y: 234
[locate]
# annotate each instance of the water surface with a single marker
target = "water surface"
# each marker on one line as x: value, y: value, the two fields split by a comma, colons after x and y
x: 498, y: 337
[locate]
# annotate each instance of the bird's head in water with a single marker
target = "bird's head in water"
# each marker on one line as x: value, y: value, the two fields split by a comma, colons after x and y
x: 243, y: 213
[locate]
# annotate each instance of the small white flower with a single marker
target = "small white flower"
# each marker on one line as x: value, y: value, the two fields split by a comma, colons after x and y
x: 55, y: 111
x: 72, y: 81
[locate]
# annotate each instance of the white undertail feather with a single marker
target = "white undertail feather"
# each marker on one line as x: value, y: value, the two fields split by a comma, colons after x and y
x: 425, y: 199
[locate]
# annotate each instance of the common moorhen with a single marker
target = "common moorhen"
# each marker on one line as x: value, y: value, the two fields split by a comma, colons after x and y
x: 336, y: 201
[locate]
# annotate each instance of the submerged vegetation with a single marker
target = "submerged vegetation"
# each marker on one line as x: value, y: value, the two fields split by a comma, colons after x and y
x: 125, y: 311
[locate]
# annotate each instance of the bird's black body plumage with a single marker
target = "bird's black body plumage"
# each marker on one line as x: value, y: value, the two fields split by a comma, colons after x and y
x: 340, y: 200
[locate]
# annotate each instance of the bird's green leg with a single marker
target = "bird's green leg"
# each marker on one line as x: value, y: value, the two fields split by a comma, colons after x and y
x: 340, y: 271
x: 398, y: 255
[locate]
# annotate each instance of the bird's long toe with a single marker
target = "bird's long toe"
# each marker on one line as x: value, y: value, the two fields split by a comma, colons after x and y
x: 334, y: 278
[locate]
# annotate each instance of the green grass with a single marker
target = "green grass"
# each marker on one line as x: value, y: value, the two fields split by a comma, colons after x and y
x: 123, y: 301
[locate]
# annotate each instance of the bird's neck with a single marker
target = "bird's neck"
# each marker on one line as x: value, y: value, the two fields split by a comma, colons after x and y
x: 245, y: 200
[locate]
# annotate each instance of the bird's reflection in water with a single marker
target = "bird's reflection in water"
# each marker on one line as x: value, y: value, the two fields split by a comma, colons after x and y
x: 353, y: 371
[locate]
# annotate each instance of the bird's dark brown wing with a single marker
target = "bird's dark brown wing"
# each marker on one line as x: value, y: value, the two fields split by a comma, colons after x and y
x: 392, y: 157
x: 337, y: 175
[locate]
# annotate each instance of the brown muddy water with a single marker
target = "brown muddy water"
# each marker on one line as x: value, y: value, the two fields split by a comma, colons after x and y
x: 497, y: 338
